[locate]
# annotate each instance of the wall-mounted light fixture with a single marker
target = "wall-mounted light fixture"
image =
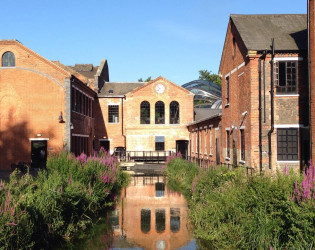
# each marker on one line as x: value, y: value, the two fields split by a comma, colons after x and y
x: 61, y: 118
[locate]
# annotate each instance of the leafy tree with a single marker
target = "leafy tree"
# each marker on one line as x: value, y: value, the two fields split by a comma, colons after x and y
x: 146, y: 80
x: 209, y: 76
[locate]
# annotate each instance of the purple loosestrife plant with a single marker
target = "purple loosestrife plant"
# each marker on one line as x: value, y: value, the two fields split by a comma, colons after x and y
x: 305, y: 191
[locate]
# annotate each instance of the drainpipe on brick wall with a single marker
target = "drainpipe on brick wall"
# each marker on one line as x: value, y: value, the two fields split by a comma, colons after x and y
x: 271, y: 104
x: 261, y: 74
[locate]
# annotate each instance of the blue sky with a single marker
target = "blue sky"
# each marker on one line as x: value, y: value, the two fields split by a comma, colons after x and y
x: 139, y: 38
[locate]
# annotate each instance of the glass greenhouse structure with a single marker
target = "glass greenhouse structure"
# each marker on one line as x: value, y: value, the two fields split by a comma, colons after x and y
x: 207, y: 94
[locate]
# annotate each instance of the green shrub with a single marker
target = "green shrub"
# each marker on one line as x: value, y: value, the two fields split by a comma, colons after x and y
x: 229, y: 209
x: 60, y: 203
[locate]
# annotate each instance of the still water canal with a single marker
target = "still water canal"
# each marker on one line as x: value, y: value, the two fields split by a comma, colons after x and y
x: 148, y: 216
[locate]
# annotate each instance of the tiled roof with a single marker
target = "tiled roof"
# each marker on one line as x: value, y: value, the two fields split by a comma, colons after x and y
x: 88, y: 70
x: 288, y: 30
x: 203, y: 113
x: 118, y: 88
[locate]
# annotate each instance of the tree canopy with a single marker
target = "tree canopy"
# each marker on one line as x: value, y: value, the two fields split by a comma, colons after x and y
x: 146, y: 80
x: 209, y: 76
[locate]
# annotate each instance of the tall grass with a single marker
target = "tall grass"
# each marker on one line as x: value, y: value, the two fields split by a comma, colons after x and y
x: 230, y: 210
x: 60, y: 203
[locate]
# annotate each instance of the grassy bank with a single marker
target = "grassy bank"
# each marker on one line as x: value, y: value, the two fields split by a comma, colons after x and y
x: 60, y: 203
x: 231, y: 210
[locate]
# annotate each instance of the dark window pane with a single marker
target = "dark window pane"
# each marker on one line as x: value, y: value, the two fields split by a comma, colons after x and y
x: 159, y: 143
x: 287, y: 144
x: 145, y: 220
x: 175, y: 219
x: 8, y: 59
x: 159, y: 189
x: 160, y: 220
x: 286, y: 77
x: 145, y: 112
x: 174, y: 112
x: 242, y: 145
x: 113, y: 113
x: 159, y: 113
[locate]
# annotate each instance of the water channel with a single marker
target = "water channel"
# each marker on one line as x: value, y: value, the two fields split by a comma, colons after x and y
x: 148, y: 216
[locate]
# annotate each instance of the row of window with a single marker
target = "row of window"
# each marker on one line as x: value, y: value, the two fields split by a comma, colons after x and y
x: 113, y: 113
x: 287, y: 144
x: 81, y: 103
x: 205, y: 136
x: 286, y: 78
x: 160, y: 220
x: 79, y: 144
x: 228, y: 144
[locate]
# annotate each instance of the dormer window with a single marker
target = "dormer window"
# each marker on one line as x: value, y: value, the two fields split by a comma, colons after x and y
x: 111, y: 91
x: 8, y: 59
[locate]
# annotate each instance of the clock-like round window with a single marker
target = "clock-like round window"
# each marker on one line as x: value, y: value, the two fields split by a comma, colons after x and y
x: 160, y: 88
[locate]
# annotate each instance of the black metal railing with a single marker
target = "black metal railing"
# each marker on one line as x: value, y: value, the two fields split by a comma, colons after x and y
x: 144, y: 156
x: 208, y: 164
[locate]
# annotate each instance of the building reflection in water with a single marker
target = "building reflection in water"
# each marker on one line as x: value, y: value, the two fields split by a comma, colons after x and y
x: 150, y: 215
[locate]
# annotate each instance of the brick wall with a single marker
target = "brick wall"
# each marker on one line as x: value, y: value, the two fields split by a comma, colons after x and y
x: 202, y: 138
x: 31, y: 99
x: 244, y: 70
x: 238, y: 70
x: 142, y: 136
x: 33, y: 94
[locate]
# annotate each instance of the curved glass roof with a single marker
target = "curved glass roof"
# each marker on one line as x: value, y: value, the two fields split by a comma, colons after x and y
x: 206, y: 91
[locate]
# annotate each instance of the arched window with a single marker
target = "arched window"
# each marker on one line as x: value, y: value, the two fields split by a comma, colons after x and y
x: 160, y: 220
x: 175, y: 220
x: 159, y: 113
x: 8, y: 59
x: 145, y: 220
x: 145, y: 112
x: 174, y: 112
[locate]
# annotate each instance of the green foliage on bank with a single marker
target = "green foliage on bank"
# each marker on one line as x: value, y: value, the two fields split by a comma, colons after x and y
x: 230, y: 210
x: 61, y: 203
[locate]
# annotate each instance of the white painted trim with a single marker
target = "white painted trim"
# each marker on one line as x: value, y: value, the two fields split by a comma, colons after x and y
x: 38, y: 139
x: 227, y: 129
x: 200, y: 128
x: 288, y: 162
x: 104, y: 139
x: 241, y: 162
x: 242, y: 127
x: 210, y: 126
x: 79, y: 135
x: 289, y: 126
x: 241, y: 74
x: 293, y: 95
x: 293, y: 58
x: 241, y: 65
x: 216, y: 129
x: 228, y: 74
x: 233, y: 70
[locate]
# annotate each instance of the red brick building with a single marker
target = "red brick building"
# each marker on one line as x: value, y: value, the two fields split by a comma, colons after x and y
x: 45, y: 106
x: 144, y: 116
x: 265, y: 121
